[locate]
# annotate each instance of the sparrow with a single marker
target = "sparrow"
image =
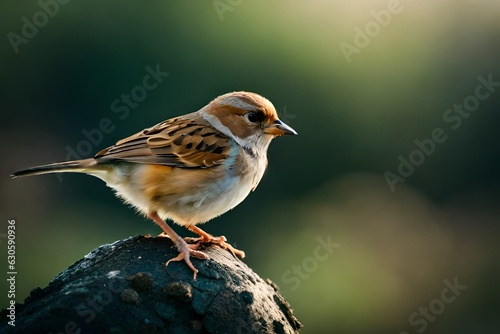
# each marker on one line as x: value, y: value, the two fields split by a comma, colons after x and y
x: 188, y: 169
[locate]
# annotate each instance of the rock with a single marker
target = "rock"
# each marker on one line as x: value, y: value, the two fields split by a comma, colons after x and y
x: 125, y: 287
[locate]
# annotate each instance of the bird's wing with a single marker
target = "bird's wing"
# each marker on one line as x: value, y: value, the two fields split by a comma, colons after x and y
x: 188, y: 142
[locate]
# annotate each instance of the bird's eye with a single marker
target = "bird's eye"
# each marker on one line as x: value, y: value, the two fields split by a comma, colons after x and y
x: 252, y: 117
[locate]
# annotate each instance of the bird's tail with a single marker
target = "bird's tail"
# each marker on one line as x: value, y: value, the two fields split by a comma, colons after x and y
x: 76, y: 166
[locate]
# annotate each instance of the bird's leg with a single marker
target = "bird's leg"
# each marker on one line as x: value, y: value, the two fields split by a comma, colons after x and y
x: 210, y: 239
x: 185, y: 250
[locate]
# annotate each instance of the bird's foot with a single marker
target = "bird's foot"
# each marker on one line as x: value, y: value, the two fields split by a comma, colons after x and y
x: 185, y: 252
x: 219, y: 241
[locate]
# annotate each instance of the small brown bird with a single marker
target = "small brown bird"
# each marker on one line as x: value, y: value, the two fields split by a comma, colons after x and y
x: 190, y: 168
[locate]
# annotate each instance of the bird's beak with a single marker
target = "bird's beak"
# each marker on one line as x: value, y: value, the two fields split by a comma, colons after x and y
x: 278, y: 128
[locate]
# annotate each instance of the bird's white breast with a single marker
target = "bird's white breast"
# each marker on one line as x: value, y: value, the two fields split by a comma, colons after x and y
x: 202, y: 202
x: 216, y: 198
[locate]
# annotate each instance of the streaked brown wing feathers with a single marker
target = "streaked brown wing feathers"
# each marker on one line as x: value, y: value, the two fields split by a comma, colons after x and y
x: 188, y: 142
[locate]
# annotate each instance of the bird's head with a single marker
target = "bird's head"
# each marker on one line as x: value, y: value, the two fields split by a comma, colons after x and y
x: 250, y: 119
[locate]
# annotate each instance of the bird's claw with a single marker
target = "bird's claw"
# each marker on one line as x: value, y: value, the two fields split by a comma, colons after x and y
x: 185, y: 252
x: 219, y: 241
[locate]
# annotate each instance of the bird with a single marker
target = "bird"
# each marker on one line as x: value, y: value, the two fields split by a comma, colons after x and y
x: 188, y: 169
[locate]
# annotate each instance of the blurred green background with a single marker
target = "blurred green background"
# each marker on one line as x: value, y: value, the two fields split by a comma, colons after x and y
x: 359, y: 80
